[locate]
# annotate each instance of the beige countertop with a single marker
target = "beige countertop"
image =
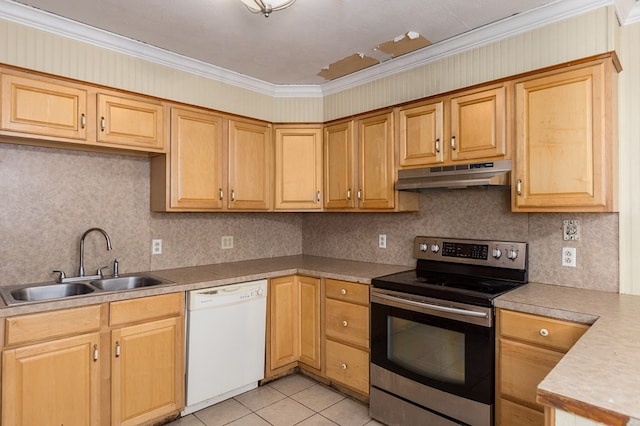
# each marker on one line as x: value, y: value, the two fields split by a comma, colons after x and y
x: 196, y: 277
x: 599, y: 378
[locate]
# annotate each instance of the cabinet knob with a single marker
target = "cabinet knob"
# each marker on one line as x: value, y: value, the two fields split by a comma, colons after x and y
x: 343, y: 291
x: 343, y: 366
x: 544, y: 332
x: 344, y: 323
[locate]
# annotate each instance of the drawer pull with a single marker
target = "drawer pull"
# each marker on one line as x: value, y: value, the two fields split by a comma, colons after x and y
x: 344, y: 323
x: 544, y: 332
x: 117, y: 349
x: 343, y: 366
x: 343, y: 291
x: 95, y: 353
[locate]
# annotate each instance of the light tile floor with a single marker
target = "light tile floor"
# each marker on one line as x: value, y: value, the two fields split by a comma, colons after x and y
x: 292, y: 400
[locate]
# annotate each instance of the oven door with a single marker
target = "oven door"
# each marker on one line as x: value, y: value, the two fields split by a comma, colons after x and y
x: 442, y: 345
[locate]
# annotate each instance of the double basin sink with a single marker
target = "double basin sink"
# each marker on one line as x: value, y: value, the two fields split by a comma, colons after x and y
x: 25, y: 293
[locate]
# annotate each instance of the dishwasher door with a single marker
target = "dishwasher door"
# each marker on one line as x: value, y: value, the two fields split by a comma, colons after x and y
x: 225, y: 342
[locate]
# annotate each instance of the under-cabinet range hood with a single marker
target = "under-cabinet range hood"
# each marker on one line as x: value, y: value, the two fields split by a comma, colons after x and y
x: 494, y: 174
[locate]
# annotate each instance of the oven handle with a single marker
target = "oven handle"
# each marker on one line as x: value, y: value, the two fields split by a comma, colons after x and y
x: 431, y: 306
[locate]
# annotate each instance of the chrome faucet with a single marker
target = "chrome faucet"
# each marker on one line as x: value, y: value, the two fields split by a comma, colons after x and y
x: 106, y: 236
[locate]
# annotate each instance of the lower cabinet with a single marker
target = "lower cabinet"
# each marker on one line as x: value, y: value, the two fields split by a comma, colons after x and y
x: 528, y: 347
x: 293, y: 334
x: 321, y: 326
x: 347, y: 334
x: 147, y: 362
x: 58, y: 367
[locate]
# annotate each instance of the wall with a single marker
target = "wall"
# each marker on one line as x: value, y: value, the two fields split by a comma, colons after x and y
x: 50, y: 197
x: 481, y: 214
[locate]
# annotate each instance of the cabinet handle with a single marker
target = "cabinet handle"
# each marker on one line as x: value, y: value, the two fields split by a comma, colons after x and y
x: 453, y: 143
x: 102, y: 124
x: 343, y: 366
x: 318, y: 196
x: 83, y: 121
x: 544, y: 332
x: 437, y: 144
x: 349, y: 194
x: 343, y: 291
x: 344, y: 323
x: 519, y: 187
x: 117, y: 349
x: 359, y: 194
x: 95, y: 353
x: 233, y: 195
x: 220, y: 193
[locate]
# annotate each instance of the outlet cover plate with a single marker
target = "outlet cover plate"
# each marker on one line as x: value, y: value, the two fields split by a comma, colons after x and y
x: 569, y: 256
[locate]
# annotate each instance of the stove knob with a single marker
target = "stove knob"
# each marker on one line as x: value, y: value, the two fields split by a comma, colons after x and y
x: 423, y: 247
x: 435, y: 248
x: 497, y: 253
x: 512, y: 254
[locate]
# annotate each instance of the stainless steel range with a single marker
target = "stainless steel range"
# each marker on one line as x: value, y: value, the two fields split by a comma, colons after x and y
x: 432, y: 332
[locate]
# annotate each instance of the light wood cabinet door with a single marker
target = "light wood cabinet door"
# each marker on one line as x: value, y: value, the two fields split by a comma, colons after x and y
x: 298, y: 168
x: 147, y: 371
x: 310, y: 321
x: 43, y: 107
x: 250, y: 180
x: 376, y: 169
x: 53, y: 383
x: 478, y: 125
x: 339, y: 172
x: 348, y: 366
x: 284, y: 322
x: 197, y: 174
x: 132, y: 123
x: 565, y: 140
x: 421, y: 138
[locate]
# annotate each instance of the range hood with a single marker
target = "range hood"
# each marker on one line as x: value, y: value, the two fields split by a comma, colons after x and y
x: 494, y: 174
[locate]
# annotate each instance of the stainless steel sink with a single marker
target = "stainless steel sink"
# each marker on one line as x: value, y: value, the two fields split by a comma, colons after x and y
x: 128, y: 282
x: 42, y: 292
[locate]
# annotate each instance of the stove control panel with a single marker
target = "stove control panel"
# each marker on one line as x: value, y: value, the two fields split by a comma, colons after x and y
x: 503, y: 254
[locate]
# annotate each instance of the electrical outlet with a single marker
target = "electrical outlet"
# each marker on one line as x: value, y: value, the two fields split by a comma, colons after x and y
x: 156, y: 246
x: 226, y: 243
x: 569, y: 256
x: 571, y: 229
x: 382, y: 241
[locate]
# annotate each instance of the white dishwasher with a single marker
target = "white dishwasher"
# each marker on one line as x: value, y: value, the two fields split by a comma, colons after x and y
x: 225, y: 342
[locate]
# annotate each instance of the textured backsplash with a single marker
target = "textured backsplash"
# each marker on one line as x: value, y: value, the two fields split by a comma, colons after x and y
x: 50, y: 197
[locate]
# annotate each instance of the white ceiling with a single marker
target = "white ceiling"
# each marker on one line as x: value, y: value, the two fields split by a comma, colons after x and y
x: 293, y: 45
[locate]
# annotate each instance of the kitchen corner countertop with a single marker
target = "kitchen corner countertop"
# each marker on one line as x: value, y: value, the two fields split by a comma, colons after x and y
x: 197, y: 277
x: 599, y: 378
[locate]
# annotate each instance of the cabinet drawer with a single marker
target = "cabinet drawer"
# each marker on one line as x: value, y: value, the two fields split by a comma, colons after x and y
x: 348, y: 366
x: 516, y: 414
x: 47, y: 325
x: 522, y: 368
x: 146, y: 308
x: 552, y: 333
x: 347, y: 322
x: 347, y: 291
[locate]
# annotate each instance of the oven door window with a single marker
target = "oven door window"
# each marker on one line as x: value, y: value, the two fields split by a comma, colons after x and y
x: 453, y: 356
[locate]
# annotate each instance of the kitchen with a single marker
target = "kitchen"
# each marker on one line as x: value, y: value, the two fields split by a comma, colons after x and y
x: 52, y: 196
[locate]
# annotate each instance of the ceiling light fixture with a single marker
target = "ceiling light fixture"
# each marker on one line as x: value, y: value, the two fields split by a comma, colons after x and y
x: 265, y: 7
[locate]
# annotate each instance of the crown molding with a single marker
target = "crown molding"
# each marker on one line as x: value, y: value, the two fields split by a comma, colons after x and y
x: 516, y: 24
x: 553, y: 12
x: 627, y: 11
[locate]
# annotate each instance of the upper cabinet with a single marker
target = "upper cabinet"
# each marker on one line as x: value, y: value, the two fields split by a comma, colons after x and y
x: 43, y: 107
x: 130, y: 122
x: 566, y: 147
x: 55, y: 110
x: 467, y: 126
x: 360, y: 166
x: 250, y: 184
x: 298, y: 167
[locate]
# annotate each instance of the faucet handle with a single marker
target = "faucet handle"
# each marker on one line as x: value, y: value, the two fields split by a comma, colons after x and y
x: 99, y: 271
x: 61, y: 276
x: 116, y: 264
